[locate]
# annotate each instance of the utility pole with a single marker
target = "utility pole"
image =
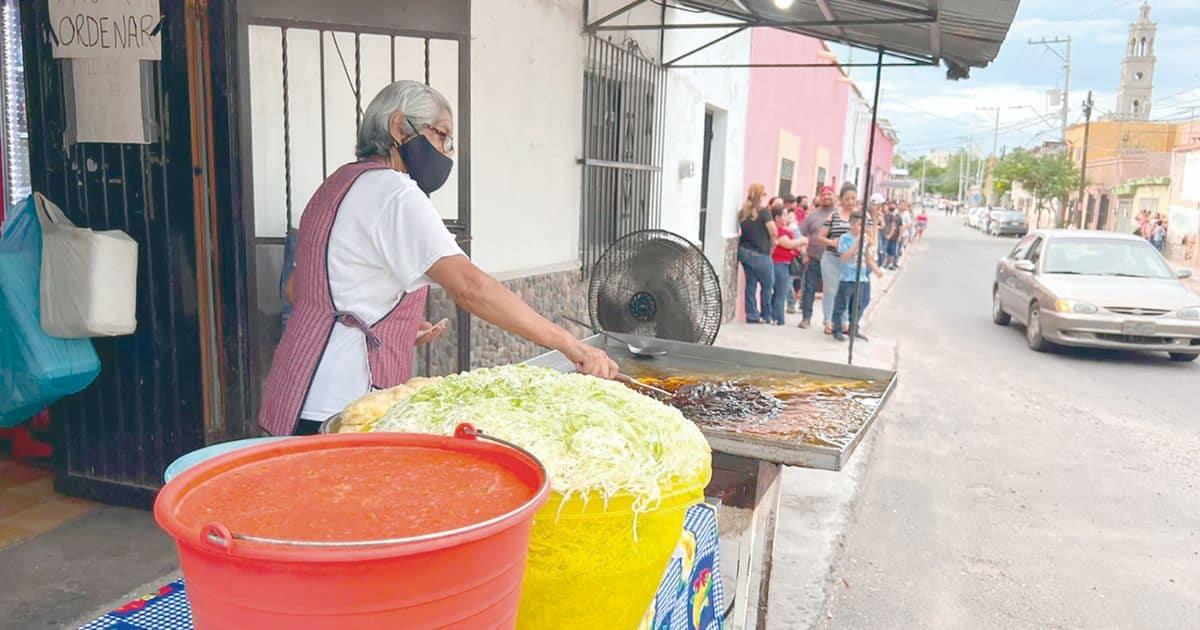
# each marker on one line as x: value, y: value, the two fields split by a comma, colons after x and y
x: 924, y: 161
x: 989, y: 185
x: 962, y: 159
x: 1066, y: 95
x: 1087, y: 127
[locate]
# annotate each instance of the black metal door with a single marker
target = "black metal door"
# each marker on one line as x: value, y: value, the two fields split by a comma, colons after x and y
x: 113, y: 440
x: 705, y: 165
x: 1102, y: 220
x: 306, y: 69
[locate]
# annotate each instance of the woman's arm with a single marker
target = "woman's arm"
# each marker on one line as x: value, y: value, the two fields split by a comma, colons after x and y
x: 823, y: 237
x: 785, y: 242
x: 772, y: 232
x: 484, y: 296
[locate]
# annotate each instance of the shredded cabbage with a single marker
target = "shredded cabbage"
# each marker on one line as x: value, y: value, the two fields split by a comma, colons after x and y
x: 592, y: 435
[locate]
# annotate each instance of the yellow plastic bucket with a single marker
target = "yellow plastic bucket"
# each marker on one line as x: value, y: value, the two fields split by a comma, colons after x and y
x: 587, y: 567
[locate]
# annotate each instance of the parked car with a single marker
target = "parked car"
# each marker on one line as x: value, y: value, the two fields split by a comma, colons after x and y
x: 1096, y: 289
x: 1004, y: 222
x: 975, y: 217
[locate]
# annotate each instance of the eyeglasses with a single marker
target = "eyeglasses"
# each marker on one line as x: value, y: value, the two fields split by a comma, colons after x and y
x: 447, y: 139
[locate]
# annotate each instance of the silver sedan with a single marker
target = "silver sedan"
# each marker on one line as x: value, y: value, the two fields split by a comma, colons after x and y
x: 1096, y: 289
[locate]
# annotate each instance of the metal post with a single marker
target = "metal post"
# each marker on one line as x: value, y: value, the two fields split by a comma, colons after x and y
x: 962, y: 156
x: 855, y: 301
x: 924, y: 161
x: 988, y: 185
x: 1087, y: 126
x: 1066, y: 95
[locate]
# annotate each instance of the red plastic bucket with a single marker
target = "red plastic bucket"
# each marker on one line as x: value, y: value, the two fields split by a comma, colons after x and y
x: 466, y: 578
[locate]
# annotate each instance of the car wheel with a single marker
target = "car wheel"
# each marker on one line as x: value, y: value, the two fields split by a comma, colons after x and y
x: 998, y: 315
x: 1183, y: 358
x: 1033, y: 330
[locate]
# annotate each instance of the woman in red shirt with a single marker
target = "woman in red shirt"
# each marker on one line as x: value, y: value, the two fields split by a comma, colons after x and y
x: 787, y: 247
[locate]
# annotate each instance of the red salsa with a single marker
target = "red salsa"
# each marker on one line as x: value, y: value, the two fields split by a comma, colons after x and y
x: 361, y: 493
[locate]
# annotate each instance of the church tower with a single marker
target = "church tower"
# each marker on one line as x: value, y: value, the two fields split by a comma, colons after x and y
x: 1137, y: 69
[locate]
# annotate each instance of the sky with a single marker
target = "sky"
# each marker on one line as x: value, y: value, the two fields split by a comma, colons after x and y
x: 930, y: 112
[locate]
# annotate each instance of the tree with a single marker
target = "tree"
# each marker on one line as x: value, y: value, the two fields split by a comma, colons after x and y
x: 1014, y: 167
x: 1045, y: 176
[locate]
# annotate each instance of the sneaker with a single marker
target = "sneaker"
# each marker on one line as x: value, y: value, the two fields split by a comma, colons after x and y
x: 791, y: 310
x: 804, y: 323
x: 839, y: 336
x: 753, y: 321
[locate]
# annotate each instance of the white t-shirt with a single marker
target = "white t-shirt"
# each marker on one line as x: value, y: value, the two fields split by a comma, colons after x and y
x: 386, y: 236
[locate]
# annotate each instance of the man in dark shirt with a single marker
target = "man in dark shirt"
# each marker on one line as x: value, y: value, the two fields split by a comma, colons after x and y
x: 810, y: 229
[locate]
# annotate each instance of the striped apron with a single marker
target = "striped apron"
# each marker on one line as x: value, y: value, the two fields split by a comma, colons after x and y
x: 389, y: 340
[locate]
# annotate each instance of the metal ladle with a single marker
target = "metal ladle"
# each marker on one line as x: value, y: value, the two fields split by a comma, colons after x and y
x: 639, y: 351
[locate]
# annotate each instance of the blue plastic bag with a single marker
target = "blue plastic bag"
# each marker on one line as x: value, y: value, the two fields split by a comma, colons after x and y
x: 35, y: 368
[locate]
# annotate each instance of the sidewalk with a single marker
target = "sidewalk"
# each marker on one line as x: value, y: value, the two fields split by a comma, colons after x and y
x: 815, y: 505
x: 812, y: 343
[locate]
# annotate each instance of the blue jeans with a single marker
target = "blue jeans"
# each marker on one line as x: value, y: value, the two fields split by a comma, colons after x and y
x: 812, y: 282
x: 882, y: 249
x: 781, y: 291
x: 760, y: 272
x: 831, y: 276
x: 845, y: 304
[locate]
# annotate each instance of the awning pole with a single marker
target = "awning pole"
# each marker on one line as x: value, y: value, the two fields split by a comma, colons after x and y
x: 855, y: 302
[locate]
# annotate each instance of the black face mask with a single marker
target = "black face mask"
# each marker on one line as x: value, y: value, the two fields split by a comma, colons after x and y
x: 426, y: 165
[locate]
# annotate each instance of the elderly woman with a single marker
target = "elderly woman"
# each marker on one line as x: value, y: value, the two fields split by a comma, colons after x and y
x: 371, y: 243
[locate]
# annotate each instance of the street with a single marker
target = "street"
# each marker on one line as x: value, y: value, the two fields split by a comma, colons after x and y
x: 1011, y: 489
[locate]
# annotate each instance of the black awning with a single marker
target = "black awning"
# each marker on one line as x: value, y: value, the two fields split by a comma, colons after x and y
x: 962, y: 34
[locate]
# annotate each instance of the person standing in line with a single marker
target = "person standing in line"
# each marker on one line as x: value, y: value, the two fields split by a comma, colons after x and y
x: 906, y: 229
x: 878, y: 217
x: 831, y: 265
x: 756, y: 237
x: 797, y: 270
x: 810, y: 229
x: 787, y: 247
x: 891, y: 229
x: 1158, y: 236
x: 801, y: 209
x: 849, y: 301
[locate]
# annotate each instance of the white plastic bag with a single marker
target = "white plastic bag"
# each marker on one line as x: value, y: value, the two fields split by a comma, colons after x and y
x: 89, y: 279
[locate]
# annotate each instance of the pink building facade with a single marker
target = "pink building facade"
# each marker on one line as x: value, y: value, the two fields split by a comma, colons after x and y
x: 881, y: 162
x: 796, y: 118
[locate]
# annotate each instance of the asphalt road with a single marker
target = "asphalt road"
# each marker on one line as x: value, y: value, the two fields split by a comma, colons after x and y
x: 1011, y: 489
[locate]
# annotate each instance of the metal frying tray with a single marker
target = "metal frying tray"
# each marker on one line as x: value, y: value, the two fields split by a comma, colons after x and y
x: 692, y: 356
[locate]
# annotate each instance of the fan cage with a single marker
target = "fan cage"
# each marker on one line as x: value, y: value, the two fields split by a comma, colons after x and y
x: 685, y: 300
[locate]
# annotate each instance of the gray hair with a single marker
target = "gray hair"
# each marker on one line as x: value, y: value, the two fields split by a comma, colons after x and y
x: 419, y: 102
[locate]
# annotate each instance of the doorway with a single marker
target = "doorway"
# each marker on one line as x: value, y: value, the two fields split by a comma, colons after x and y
x: 306, y: 72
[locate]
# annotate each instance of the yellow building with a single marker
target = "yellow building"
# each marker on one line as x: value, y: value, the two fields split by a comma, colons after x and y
x: 1110, y: 139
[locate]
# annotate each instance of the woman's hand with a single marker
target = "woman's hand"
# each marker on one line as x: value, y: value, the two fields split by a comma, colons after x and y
x: 589, y: 360
x: 428, y: 333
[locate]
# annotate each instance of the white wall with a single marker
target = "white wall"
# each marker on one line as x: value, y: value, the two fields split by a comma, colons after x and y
x: 689, y: 93
x: 527, y: 63
x: 854, y: 149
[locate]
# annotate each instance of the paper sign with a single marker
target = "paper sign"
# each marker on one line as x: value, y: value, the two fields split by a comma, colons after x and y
x: 106, y: 29
x: 108, y: 101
